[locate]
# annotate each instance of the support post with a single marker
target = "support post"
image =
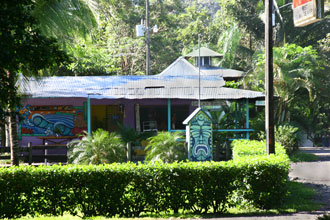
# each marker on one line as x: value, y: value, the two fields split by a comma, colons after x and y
x: 137, y: 118
x: 247, y: 119
x: 30, y: 152
x: 89, y: 116
x: 169, y: 115
x: 236, y: 117
x: 147, y: 39
x: 129, y: 151
x: 269, y: 114
x: 45, y: 154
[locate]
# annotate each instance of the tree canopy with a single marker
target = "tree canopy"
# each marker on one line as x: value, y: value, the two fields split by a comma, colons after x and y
x: 24, y: 51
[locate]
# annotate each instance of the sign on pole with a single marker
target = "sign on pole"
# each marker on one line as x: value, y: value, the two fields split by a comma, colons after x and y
x: 306, y: 12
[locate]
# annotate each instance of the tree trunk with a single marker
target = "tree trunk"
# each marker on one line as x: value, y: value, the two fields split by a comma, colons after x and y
x: 7, y: 142
x: 13, y: 137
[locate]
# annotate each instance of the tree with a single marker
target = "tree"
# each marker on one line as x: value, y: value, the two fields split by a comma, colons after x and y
x: 114, y: 48
x: 24, y: 51
x: 300, y: 84
x: 193, y: 22
x: 66, y: 19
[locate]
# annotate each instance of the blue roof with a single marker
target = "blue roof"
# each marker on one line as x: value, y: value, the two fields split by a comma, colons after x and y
x: 179, y: 81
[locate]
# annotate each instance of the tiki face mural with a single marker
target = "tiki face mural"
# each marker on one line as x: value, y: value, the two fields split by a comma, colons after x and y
x: 200, y: 129
x: 52, y: 120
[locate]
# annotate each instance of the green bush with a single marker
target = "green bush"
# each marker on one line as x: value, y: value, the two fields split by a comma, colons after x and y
x: 101, y: 147
x: 252, y: 148
x: 260, y: 189
x: 167, y: 147
x: 262, y: 181
x: 130, y: 189
x: 286, y: 135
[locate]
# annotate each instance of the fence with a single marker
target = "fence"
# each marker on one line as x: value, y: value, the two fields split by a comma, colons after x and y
x: 44, y: 153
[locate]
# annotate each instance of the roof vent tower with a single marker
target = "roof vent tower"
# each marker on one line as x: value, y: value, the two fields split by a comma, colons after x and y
x: 206, y: 56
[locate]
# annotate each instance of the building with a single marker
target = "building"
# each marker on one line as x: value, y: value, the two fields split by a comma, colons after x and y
x: 65, y: 106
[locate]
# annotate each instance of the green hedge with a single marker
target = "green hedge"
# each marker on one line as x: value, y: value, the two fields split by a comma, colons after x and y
x: 260, y: 189
x: 253, y: 148
x: 130, y: 189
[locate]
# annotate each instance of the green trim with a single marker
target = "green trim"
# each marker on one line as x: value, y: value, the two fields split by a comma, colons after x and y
x: 89, y: 116
x: 234, y: 130
x: 33, y: 135
x: 63, y: 113
x: 19, y: 131
x: 236, y: 115
x: 221, y: 130
x: 247, y: 119
x: 169, y: 115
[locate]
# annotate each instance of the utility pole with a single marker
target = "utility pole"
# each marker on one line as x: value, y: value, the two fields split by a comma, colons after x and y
x: 147, y: 39
x: 269, y: 114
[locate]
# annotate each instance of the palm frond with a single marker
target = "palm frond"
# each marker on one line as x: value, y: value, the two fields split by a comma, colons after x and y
x: 64, y: 19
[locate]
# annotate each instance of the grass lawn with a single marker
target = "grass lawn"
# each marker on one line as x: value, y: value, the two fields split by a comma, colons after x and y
x: 300, y: 156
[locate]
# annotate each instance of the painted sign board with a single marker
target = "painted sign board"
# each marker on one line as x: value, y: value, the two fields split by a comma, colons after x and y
x: 199, y: 135
x: 306, y: 12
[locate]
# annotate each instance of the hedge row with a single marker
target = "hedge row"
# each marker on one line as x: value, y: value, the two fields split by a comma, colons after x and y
x: 130, y: 189
x: 242, y: 148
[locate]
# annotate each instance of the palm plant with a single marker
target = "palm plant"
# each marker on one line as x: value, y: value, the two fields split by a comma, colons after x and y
x: 99, y: 148
x: 166, y: 146
x: 295, y: 69
x: 65, y: 19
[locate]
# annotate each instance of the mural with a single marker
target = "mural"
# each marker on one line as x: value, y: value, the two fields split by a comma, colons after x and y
x: 200, y: 138
x: 52, y: 120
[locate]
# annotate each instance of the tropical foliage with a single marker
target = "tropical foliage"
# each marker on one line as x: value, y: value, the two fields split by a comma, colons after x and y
x: 25, y: 52
x: 99, y: 148
x: 300, y: 82
x: 296, y: 71
x: 167, y: 147
x: 286, y: 135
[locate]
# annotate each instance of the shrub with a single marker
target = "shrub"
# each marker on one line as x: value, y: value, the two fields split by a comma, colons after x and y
x: 167, y: 147
x: 260, y: 189
x: 253, y: 148
x: 130, y: 189
x: 101, y: 147
x: 286, y: 135
x: 262, y: 180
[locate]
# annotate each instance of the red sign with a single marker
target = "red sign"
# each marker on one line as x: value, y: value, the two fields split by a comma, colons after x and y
x: 297, y: 3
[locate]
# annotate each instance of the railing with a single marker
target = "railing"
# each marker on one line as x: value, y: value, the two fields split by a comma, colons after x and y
x: 235, y: 131
x: 28, y: 154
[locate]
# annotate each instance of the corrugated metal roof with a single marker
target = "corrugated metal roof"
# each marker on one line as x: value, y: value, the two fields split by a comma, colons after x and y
x: 222, y: 72
x: 205, y: 52
x: 180, y: 67
x: 179, y: 81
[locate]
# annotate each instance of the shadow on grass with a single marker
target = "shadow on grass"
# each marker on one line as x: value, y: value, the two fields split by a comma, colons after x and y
x: 300, y: 156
